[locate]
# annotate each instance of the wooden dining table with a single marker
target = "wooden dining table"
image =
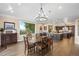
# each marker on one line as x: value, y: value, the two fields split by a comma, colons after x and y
x: 39, y: 45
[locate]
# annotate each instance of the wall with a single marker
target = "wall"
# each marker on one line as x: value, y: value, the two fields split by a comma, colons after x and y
x: 10, y: 19
x: 17, y: 24
x: 27, y: 21
x: 37, y: 27
x: 76, y: 32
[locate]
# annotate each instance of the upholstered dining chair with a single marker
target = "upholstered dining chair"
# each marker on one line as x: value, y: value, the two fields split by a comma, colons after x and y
x: 39, y: 48
x: 50, y: 43
x: 28, y: 46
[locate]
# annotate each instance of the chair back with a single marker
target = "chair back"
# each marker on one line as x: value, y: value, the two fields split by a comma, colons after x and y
x: 26, y: 43
x: 50, y: 41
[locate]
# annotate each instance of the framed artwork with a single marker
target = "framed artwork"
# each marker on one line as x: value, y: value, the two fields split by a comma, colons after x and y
x: 26, y: 27
x: 40, y: 27
x: 50, y: 27
x: 9, y: 25
x: 45, y: 27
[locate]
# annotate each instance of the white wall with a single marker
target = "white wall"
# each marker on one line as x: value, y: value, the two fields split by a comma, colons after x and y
x: 10, y: 19
x: 76, y: 32
x: 37, y: 27
x: 21, y: 36
x: 17, y: 24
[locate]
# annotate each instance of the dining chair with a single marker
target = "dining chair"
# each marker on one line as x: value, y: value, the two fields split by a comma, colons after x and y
x: 28, y: 46
x: 39, y: 48
x: 50, y: 43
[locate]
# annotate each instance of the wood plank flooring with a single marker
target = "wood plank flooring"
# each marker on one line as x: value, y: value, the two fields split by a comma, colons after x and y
x: 65, y: 47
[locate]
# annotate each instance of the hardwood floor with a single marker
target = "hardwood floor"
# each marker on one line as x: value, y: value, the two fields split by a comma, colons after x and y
x: 65, y: 47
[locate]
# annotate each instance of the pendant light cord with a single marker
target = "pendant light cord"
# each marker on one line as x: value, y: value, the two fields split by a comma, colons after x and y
x: 41, y: 10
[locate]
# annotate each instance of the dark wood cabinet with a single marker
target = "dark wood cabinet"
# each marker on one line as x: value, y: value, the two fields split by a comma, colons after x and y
x: 72, y: 28
x: 3, y: 41
x: 11, y: 38
x: 8, y: 38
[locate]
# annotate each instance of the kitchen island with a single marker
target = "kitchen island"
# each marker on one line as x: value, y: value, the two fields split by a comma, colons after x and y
x: 60, y: 36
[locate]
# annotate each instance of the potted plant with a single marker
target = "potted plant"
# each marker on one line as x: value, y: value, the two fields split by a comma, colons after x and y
x: 1, y: 30
x: 29, y: 33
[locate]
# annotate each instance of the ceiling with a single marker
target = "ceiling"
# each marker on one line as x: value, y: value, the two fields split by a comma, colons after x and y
x: 54, y: 11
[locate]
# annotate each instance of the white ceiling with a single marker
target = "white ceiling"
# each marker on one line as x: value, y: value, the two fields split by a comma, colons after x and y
x: 54, y: 11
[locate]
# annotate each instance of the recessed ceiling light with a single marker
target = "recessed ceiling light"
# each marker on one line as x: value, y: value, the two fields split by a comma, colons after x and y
x: 19, y: 4
x: 10, y: 8
x: 11, y: 11
x: 60, y: 7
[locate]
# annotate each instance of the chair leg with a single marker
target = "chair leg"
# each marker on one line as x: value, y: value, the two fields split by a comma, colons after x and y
x: 34, y: 49
x: 25, y: 52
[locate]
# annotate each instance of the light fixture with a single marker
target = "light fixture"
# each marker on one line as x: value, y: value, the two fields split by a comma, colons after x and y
x: 41, y: 16
x: 19, y: 4
x: 10, y: 9
x: 60, y: 7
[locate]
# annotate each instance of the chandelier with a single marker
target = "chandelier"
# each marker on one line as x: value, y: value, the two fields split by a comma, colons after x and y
x: 41, y: 16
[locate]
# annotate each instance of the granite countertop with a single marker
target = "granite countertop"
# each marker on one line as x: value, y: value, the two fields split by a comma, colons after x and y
x: 62, y: 32
x: 57, y: 33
